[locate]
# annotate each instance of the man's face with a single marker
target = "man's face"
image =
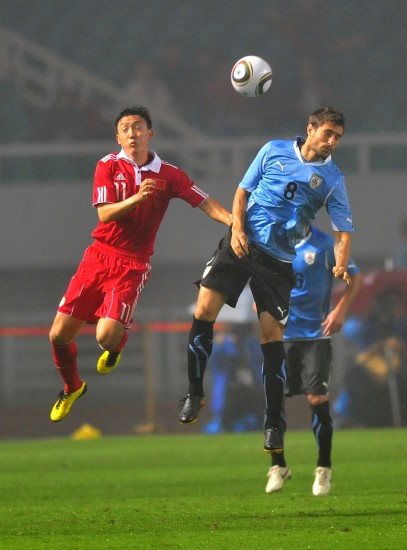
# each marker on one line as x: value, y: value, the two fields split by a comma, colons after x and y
x: 133, y: 135
x: 324, y: 139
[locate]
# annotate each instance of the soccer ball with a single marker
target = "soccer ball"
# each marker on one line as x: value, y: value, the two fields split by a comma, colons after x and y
x: 251, y: 76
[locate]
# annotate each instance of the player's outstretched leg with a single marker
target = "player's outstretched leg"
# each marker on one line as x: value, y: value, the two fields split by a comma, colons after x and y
x: 198, y: 352
x: 273, y: 382
x: 322, y: 426
x: 65, y: 356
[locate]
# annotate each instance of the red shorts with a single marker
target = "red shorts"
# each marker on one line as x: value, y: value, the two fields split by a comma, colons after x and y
x: 107, y: 285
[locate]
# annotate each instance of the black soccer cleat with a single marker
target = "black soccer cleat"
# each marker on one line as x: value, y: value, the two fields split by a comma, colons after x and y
x: 189, y: 408
x: 273, y: 441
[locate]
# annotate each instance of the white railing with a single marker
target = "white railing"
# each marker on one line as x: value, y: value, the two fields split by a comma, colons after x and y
x: 209, y: 158
x: 42, y: 75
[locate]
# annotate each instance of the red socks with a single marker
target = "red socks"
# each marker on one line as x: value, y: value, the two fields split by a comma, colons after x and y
x: 123, y: 341
x: 65, y: 362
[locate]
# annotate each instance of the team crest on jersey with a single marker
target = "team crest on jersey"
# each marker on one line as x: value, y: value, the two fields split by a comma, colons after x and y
x: 309, y: 257
x: 315, y: 181
x: 160, y: 184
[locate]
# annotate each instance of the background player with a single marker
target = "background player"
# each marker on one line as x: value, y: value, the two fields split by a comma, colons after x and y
x: 308, y: 347
x: 132, y: 190
x: 284, y: 187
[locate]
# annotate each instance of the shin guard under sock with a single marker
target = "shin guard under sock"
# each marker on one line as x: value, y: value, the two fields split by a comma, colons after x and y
x: 200, y: 346
x: 65, y: 362
x: 122, y: 343
x: 273, y: 381
x: 323, y: 431
x: 278, y: 459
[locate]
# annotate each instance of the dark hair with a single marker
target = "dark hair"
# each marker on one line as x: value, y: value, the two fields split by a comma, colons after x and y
x: 327, y: 114
x: 140, y: 111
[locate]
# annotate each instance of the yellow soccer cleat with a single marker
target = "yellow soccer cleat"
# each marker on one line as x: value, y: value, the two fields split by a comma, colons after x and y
x: 62, y: 407
x: 108, y: 361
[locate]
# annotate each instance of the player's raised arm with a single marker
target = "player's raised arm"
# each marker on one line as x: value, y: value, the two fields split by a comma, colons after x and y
x: 343, y: 241
x: 216, y: 211
x: 239, y: 241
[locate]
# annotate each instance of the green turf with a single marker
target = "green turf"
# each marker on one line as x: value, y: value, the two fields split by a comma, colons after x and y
x: 197, y: 491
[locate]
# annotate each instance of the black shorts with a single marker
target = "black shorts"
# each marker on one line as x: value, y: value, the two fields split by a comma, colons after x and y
x: 270, y: 280
x: 308, y: 366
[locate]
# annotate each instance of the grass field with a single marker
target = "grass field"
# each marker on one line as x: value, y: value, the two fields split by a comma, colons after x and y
x: 199, y: 491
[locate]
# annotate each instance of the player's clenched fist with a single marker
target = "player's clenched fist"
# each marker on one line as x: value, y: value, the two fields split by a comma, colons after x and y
x: 146, y: 188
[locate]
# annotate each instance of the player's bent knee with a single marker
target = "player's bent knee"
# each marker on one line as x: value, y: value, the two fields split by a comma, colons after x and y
x: 209, y: 304
x: 108, y: 343
x: 109, y: 334
x: 271, y: 330
x: 57, y: 339
x: 64, y: 329
x: 205, y: 315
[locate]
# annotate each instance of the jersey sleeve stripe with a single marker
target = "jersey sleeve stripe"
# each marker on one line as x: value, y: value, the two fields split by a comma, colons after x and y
x: 111, y: 156
x: 101, y: 195
x: 200, y: 192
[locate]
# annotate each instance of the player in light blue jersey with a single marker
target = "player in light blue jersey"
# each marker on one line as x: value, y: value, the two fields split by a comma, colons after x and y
x: 308, y: 347
x: 311, y: 294
x: 285, y: 186
x: 286, y: 193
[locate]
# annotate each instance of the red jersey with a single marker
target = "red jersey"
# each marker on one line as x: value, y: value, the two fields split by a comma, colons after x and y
x: 116, y: 178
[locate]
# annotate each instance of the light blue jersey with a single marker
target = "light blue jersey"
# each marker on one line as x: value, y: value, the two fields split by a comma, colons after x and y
x: 311, y: 294
x: 286, y: 193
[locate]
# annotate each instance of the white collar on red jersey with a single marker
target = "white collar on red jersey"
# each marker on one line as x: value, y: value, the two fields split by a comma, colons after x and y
x: 154, y: 165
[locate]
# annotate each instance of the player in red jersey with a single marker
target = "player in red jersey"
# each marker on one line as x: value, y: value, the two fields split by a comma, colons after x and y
x: 132, y: 190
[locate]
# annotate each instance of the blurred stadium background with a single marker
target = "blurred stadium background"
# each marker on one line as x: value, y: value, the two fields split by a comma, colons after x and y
x: 68, y: 67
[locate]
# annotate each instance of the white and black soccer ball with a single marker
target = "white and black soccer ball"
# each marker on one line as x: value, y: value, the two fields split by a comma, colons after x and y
x: 251, y: 76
